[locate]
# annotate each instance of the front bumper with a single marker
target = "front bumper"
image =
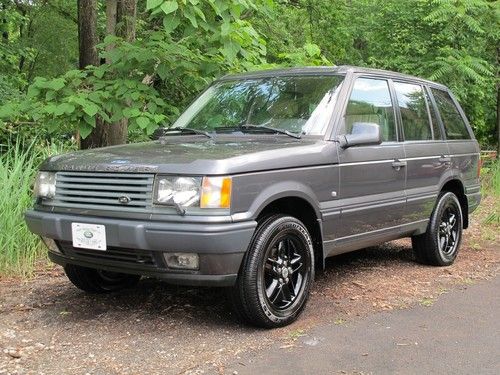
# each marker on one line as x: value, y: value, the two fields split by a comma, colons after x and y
x: 137, y: 247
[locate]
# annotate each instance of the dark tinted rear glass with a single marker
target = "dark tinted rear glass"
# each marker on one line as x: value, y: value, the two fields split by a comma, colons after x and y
x: 454, y: 124
x: 413, y: 108
x: 436, y: 128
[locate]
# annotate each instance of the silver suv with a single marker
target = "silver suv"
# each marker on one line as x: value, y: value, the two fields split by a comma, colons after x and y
x: 264, y: 176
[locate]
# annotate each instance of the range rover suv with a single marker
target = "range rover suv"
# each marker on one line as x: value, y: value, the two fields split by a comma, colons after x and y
x: 264, y: 176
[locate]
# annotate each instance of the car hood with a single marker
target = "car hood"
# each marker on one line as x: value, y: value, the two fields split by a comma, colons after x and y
x: 192, y: 155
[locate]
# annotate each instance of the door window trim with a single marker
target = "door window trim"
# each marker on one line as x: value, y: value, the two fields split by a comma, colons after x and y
x: 400, y: 116
x: 340, y: 128
x: 460, y: 112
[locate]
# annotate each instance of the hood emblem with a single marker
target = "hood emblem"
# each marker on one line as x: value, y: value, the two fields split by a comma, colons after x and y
x: 124, y: 199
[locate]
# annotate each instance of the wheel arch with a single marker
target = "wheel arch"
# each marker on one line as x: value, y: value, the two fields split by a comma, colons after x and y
x: 300, y: 208
x: 456, y: 187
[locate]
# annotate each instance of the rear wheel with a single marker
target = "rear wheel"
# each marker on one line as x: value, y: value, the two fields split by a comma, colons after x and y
x: 439, y: 245
x: 98, y: 281
x: 276, y: 275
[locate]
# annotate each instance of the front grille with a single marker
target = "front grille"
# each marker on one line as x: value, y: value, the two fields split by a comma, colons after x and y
x: 113, y: 255
x: 104, y: 190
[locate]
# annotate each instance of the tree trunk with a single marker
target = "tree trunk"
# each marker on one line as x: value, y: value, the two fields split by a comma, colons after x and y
x: 111, y: 9
x: 124, y: 27
x: 498, y: 104
x: 126, y: 19
x: 5, y: 31
x: 120, y: 21
x: 498, y: 122
x: 87, y: 33
x: 87, y: 42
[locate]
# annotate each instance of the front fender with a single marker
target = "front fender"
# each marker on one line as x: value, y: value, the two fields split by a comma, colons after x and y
x: 273, y: 192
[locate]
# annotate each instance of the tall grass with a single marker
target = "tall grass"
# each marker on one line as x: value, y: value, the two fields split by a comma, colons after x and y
x: 490, y: 178
x: 490, y: 181
x: 19, y: 249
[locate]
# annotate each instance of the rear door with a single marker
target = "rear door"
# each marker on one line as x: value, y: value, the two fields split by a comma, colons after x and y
x: 463, y: 148
x: 372, y: 178
x: 427, y: 154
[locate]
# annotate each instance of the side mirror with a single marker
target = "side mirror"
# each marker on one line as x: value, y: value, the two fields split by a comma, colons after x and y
x: 363, y: 134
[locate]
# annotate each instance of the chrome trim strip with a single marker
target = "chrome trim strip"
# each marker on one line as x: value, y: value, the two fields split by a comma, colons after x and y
x: 424, y: 157
x: 417, y: 198
x: 469, y: 154
x: 366, y: 162
x: 372, y: 206
x: 381, y: 231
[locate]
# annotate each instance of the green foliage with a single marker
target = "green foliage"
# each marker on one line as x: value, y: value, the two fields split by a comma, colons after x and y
x: 452, y: 41
x: 182, y: 45
x: 146, y: 81
x: 19, y: 248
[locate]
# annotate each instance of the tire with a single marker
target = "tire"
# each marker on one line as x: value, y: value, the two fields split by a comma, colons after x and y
x: 440, y: 244
x: 97, y: 281
x: 276, y: 275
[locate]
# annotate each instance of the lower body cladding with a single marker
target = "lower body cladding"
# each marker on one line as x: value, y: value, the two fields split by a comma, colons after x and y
x: 143, y: 247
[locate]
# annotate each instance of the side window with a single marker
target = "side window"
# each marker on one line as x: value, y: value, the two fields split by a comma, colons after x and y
x: 413, y: 108
x: 370, y: 102
x: 454, y: 124
x: 435, y: 124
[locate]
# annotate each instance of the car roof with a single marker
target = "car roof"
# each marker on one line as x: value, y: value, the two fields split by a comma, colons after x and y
x: 326, y: 70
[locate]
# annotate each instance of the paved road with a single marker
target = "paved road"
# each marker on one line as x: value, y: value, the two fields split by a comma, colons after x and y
x: 459, y: 334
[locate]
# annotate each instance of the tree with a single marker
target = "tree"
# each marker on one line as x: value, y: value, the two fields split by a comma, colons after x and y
x: 120, y: 21
x: 87, y: 33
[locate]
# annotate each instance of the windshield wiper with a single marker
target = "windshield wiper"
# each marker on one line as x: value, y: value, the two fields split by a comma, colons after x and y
x: 276, y: 130
x: 189, y: 130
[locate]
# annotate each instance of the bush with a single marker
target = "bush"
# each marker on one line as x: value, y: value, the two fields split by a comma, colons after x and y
x: 19, y: 248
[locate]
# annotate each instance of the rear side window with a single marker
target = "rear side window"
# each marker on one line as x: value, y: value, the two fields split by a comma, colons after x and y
x: 435, y: 124
x: 413, y: 108
x: 454, y: 124
x: 370, y: 102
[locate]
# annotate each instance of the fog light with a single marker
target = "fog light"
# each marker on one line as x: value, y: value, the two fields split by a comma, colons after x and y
x: 51, y: 245
x: 184, y: 261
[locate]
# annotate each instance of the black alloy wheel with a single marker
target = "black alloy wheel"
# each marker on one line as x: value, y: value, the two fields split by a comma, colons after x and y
x: 276, y: 274
x: 440, y: 244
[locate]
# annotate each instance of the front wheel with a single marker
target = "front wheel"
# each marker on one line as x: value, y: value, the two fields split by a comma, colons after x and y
x: 276, y: 275
x: 439, y: 245
x: 91, y: 280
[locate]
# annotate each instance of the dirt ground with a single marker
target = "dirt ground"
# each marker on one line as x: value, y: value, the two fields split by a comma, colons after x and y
x: 49, y: 327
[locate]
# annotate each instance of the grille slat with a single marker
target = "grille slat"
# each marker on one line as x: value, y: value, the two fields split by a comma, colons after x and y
x: 108, y: 181
x: 67, y: 198
x: 105, y: 187
x: 103, y: 190
x: 101, y: 193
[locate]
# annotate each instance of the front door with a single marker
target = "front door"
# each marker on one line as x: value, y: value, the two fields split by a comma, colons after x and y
x: 372, y: 178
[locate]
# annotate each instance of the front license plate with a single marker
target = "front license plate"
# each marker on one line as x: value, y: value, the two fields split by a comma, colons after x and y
x: 89, y: 236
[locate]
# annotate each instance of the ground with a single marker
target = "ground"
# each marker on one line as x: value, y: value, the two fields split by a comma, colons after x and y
x: 48, y: 326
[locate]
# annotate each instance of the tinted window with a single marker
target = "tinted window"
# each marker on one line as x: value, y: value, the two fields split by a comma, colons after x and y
x: 435, y: 124
x: 454, y: 124
x: 370, y: 102
x: 413, y: 108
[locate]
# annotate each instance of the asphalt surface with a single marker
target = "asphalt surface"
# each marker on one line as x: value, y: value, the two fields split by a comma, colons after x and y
x: 458, y: 334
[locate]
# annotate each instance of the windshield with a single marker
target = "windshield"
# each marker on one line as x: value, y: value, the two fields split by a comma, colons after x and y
x: 297, y: 104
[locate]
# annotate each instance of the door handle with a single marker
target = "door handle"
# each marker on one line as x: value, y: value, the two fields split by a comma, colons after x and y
x: 445, y: 159
x: 398, y: 164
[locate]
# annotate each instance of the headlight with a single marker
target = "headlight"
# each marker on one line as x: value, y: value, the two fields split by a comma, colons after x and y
x: 206, y: 192
x: 184, y: 191
x: 45, y: 185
